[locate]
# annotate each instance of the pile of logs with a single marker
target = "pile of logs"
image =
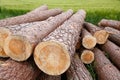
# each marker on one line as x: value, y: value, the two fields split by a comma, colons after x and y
x: 49, y: 44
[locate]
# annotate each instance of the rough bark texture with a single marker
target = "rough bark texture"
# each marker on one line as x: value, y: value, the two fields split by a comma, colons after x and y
x: 110, y: 23
x: 43, y: 76
x: 66, y: 36
x: 88, y: 41
x: 113, y: 51
x: 77, y: 70
x: 112, y: 30
x: 114, y: 35
x: 12, y: 70
x: 91, y: 28
x: 38, y: 30
x: 34, y: 15
x: 33, y: 33
x: 68, y: 33
x: 100, y: 35
x: 104, y: 68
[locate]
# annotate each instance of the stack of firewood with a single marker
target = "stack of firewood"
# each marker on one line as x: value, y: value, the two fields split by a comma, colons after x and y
x: 42, y: 44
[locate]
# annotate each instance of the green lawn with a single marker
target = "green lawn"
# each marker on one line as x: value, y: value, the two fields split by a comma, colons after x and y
x: 96, y: 10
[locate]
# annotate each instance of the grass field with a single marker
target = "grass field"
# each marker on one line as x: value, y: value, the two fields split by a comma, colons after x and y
x: 96, y: 10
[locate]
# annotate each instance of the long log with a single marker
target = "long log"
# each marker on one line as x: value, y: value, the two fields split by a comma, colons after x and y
x: 98, y: 33
x: 12, y: 70
x: 34, y: 15
x: 20, y: 45
x: 113, y: 51
x: 52, y: 56
x: 114, y: 35
x: 77, y: 70
x: 88, y: 41
x: 87, y: 56
x: 104, y: 68
x: 44, y: 76
x: 111, y: 23
x: 16, y: 28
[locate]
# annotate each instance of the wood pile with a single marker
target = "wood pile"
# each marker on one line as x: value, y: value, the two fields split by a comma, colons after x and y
x: 49, y: 44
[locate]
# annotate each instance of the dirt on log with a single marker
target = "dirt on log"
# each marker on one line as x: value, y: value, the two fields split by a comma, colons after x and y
x: 52, y: 55
x: 104, y: 68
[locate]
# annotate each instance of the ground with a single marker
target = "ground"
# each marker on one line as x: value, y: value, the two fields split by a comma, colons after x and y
x: 96, y: 10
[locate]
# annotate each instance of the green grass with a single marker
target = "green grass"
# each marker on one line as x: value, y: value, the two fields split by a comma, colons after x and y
x: 96, y: 10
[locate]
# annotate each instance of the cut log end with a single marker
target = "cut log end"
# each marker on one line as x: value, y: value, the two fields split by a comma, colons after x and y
x: 52, y: 58
x: 4, y: 33
x: 101, y: 36
x: 87, y: 56
x: 17, y: 48
x: 89, y: 42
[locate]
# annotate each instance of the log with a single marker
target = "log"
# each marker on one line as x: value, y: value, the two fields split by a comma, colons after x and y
x: 12, y: 70
x: 20, y: 45
x: 77, y: 70
x: 52, y: 55
x: 98, y: 33
x: 4, y: 33
x: 111, y: 23
x: 87, y: 56
x: 114, y: 35
x: 88, y: 41
x: 44, y: 76
x: 113, y: 51
x: 34, y: 15
x: 16, y: 28
x: 104, y: 68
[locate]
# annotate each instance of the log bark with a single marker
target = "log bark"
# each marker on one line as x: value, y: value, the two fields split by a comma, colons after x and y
x: 88, y: 41
x: 111, y: 23
x: 52, y: 55
x: 44, y: 76
x: 12, y: 70
x: 34, y: 15
x: 100, y: 35
x: 20, y: 45
x: 87, y: 56
x: 104, y: 68
x: 114, y: 35
x: 77, y: 70
x: 113, y: 51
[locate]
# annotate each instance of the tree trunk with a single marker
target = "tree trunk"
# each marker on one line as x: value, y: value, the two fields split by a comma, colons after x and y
x: 87, y: 56
x: 17, y: 28
x: 88, y: 41
x: 100, y: 35
x: 34, y: 15
x: 12, y: 70
x: 104, y: 68
x: 111, y: 23
x: 52, y: 55
x: 20, y: 46
x: 43, y: 76
x: 114, y: 35
x: 77, y: 70
x: 113, y: 51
